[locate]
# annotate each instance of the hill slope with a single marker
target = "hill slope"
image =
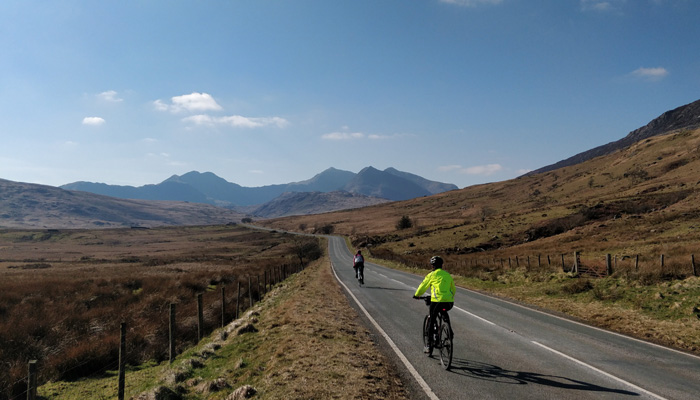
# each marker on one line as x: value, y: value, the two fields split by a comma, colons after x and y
x: 684, y: 117
x: 642, y: 198
x: 304, y: 203
x: 24, y: 205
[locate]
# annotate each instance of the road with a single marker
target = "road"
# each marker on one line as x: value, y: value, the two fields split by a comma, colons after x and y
x: 506, y: 351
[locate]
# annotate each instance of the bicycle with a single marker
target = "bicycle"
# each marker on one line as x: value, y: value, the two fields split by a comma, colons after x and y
x: 360, y: 273
x: 442, y: 335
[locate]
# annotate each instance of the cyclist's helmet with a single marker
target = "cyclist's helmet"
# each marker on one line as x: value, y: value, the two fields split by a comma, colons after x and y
x: 436, y: 262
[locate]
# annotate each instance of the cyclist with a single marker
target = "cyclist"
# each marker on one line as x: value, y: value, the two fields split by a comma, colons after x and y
x: 358, y: 263
x: 442, y: 296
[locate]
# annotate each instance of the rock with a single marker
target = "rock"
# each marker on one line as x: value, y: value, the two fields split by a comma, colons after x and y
x: 159, y: 393
x: 243, y: 392
x: 212, y: 386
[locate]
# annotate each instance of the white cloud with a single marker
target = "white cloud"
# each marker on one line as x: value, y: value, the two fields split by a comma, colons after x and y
x: 343, y: 136
x: 486, y: 170
x: 93, y: 121
x: 523, y: 171
x: 192, y: 102
x: 448, y: 168
x: 110, y: 96
x: 237, y: 121
x: 471, y: 3
x: 650, y: 74
x: 489, y: 169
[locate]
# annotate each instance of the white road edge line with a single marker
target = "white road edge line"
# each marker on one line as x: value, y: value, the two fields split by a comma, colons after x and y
x: 624, y: 382
x: 424, y: 385
x: 582, y: 324
x: 475, y: 316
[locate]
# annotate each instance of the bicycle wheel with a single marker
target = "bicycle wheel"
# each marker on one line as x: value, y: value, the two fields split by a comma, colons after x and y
x: 445, y: 340
x: 426, y: 322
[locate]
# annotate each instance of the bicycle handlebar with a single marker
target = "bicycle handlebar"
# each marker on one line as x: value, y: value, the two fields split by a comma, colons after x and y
x: 424, y: 298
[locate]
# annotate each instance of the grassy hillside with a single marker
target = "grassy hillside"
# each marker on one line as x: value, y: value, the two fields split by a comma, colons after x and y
x: 640, y: 200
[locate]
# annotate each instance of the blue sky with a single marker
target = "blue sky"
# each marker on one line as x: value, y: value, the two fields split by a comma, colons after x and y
x: 263, y: 92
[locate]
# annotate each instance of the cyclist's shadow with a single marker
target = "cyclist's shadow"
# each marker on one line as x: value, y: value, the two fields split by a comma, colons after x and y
x: 495, y: 373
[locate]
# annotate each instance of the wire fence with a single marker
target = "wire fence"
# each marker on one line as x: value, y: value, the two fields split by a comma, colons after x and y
x: 187, y: 326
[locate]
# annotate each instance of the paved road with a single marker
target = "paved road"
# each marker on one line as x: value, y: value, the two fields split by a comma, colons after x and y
x: 506, y: 351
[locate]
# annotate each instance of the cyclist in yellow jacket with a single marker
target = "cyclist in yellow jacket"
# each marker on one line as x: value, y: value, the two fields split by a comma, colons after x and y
x: 442, y: 294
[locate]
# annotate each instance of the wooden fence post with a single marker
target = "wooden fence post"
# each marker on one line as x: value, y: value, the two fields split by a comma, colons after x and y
x: 200, y: 318
x: 576, y: 259
x: 549, y: 261
x: 250, y: 293
x: 517, y: 262
x: 692, y: 263
x: 608, y: 264
x: 172, y: 332
x: 31, y: 380
x: 122, y: 361
x: 539, y: 261
x: 563, y: 266
x: 636, y: 263
x: 238, y: 298
x: 223, y: 306
x: 662, y: 261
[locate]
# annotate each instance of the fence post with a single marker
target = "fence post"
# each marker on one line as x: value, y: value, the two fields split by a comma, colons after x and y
x: 250, y: 293
x: 576, y: 262
x: 608, y: 264
x: 200, y: 318
x: 692, y: 263
x: 122, y: 361
x: 223, y: 306
x: 517, y: 262
x: 549, y: 261
x: 172, y: 332
x: 539, y: 261
x: 238, y: 298
x: 636, y: 263
x: 31, y: 380
x: 563, y: 266
x: 662, y: 261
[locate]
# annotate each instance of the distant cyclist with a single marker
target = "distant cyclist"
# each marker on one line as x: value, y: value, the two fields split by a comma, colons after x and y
x: 442, y: 295
x: 358, y: 263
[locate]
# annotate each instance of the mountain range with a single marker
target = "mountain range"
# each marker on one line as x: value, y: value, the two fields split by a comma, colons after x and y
x: 209, y: 188
x: 204, y: 198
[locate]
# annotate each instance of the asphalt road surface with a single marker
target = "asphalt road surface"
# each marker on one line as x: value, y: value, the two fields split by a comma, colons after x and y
x: 505, y: 351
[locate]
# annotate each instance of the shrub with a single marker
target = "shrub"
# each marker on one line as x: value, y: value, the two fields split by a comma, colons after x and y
x: 577, y: 286
x: 404, y: 223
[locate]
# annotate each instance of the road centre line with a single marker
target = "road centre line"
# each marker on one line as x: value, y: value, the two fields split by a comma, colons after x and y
x: 423, y: 384
x: 624, y: 382
x: 475, y: 316
x: 580, y: 323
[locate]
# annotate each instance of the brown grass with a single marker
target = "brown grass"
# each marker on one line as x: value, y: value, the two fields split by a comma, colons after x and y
x: 66, y: 314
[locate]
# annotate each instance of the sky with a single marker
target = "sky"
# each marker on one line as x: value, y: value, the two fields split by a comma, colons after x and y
x: 264, y: 92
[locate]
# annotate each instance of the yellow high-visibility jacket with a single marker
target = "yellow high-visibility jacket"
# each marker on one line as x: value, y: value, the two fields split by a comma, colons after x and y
x: 442, y: 287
